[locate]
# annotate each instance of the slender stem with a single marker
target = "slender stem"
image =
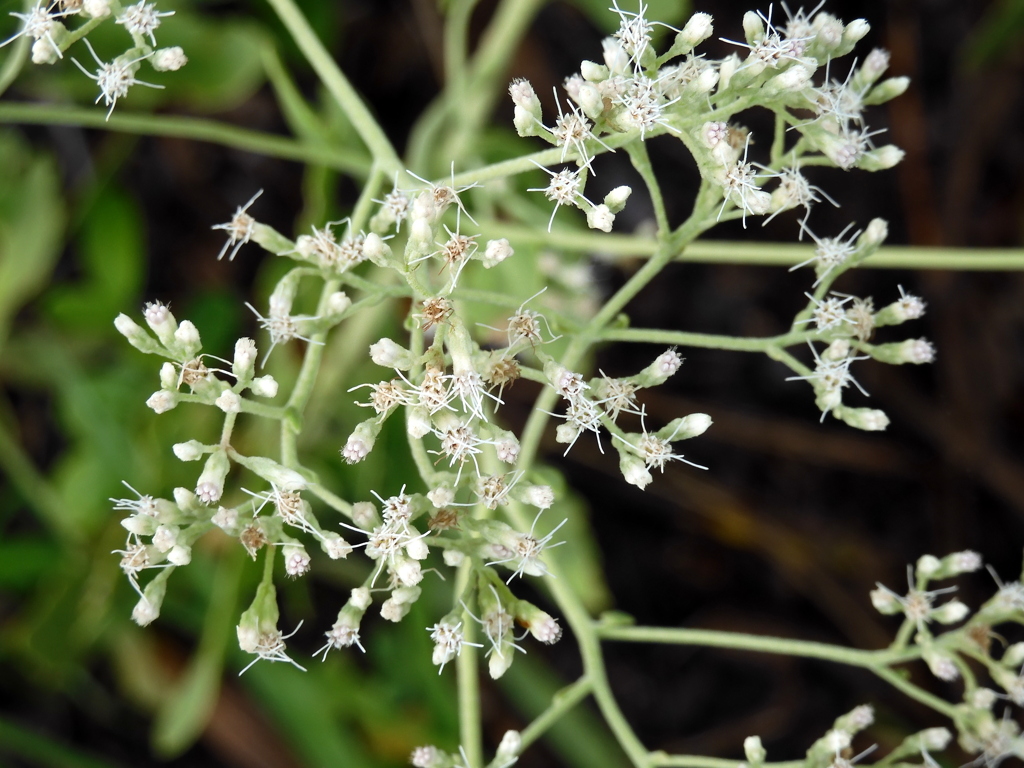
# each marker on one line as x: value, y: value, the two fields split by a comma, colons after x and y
x: 331, y: 499
x: 699, y: 761
x: 706, y: 340
x: 338, y: 85
x: 745, y: 642
x: 198, y: 129
x: 642, y: 162
x: 897, y: 680
x: 467, y: 674
x: 561, y: 702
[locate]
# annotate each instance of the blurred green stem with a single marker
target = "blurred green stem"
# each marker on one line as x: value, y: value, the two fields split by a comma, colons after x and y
x: 563, y: 701
x: 338, y: 85
x: 188, y: 128
x: 467, y: 671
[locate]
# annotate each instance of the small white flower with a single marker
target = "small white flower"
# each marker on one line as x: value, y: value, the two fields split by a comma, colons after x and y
x: 142, y: 19
x: 239, y: 229
x: 114, y: 79
x: 40, y: 24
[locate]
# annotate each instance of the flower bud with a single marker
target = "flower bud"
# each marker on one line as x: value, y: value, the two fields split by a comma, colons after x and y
x: 453, y: 558
x: 276, y: 474
x: 540, y: 496
x: 951, y: 612
x: 226, y: 518
x: 169, y: 376
x: 180, y: 554
x: 510, y: 747
x: 873, y: 68
x: 753, y: 28
x: 868, y: 419
x: 229, y: 402
x: 616, y: 58
x: 361, y: 598
x: 360, y: 442
x: 162, y: 401
x: 191, y: 450
x: 540, y: 624
x: 45, y: 52
x: 264, y: 386
x: 927, y: 566
x: 364, y: 515
x: 698, y: 29
x: 875, y: 234
x: 97, y: 9
x: 524, y: 122
x: 140, y: 525
x: 417, y: 549
x: 694, y: 425
x: 600, y: 217
x: 1013, y: 657
x: 161, y: 321
x: 390, y: 354
x: 915, y: 351
x: 590, y: 100
x: 941, y: 664
x: 135, y: 335
x: 524, y: 97
x: 187, y: 336
x: 244, y: 362
x: 417, y: 421
x: 885, y: 602
x: 795, y: 78
x: 887, y: 90
x: 615, y: 200
x: 881, y: 159
x: 147, y: 609
x: 210, y: 485
x: 855, y: 32
x: 594, y: 72
x: 754, y: 751
x: 496, y: 252
x: 168, y: 59
x: 296, y: 561
x: 634, y: 470
x: 441, y: 496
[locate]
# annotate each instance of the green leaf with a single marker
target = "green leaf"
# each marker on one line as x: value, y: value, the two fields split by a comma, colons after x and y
x: 31, y: 226
x: 111, y: 253
x: 184, y: 713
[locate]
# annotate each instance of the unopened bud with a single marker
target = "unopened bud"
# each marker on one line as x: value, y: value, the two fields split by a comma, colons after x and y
x: 168, y: 59
x: 698, y: 29
x: 496, y: 252
x: 191, y: 450
x: 390, y: 354
x: 615, y: 200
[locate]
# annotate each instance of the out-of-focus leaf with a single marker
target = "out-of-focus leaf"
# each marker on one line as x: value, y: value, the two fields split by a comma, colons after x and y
x: 24, y: 559
x: 111, y: 253
x: 295, y: 700
x: 31, y: 225
x: 183, y: 715
x: 224, y: 67
x: 672, y: 12
x: 998, y: 34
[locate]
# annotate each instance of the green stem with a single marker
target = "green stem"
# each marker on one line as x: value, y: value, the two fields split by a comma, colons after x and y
x: 706, y: 340
x: 467, y: 674
x: 642, y: 162
x: 561, y: 703
x: 897, y: 680
x: 338, y: 85
x: 187, y: 128
x: 698, y: 761
x: 745, y: 642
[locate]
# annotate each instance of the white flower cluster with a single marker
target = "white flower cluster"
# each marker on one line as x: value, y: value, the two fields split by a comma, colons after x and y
x: 45, y: 24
